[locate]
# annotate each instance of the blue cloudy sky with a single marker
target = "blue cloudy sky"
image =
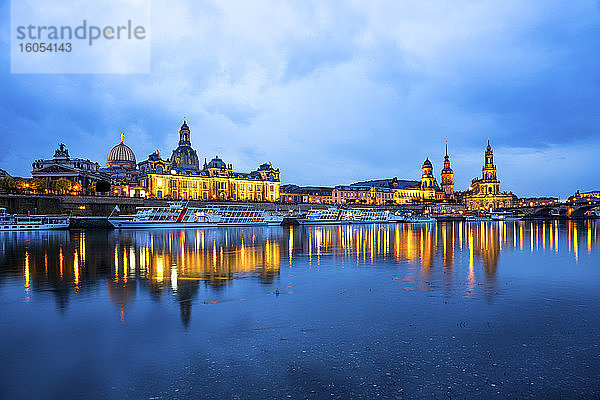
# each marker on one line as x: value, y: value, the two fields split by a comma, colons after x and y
x: 337, y: 91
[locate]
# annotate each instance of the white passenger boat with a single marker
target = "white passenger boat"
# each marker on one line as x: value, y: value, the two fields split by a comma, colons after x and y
x: 478, y: 218
x: 339, y: 216
x: 178, y: 215
x: 419, y: 219
x: 10, y: 222
x: 504, y: 216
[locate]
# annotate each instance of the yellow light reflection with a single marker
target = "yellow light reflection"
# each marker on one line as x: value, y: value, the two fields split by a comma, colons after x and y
x: 60, y: 262
x: 76, y: 270
x: 575, y: 244
x: 27, y: 277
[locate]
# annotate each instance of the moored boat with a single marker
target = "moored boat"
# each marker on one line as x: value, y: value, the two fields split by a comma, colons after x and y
x: 419, y: 219
x: 478, y: 218
x: 504, y: 216
x: 340, y: 216
x: 178, y: 215
x: 10, y: 222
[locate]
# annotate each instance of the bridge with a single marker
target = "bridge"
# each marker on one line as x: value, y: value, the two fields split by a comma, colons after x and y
x: 575, y: 210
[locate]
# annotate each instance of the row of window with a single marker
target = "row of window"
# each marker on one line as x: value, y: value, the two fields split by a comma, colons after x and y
x: 219, y: 185
x: 205, y: 196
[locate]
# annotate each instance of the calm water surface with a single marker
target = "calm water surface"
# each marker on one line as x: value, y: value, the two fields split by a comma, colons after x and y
x: 479, y: 310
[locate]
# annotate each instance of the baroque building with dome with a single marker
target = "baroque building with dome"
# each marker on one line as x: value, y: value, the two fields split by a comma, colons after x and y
x: 184, y: 158
x: 121, y: 164
x: 122, y: 172
x: 180, y: 177
x: 484, y: 193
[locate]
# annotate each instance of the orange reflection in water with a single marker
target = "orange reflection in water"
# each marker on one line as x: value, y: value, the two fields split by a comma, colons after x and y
x: 27, y: 277
x: 173, y: 260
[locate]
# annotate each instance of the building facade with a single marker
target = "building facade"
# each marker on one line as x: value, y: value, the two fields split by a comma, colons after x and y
x: 154, y: 164
x: 484, y: 193
x: 306, y: 194
x: 377, y: 192
x: 587, y: 196
x: 391, y: 191
x: 80, y: 171
x: 181, y: 178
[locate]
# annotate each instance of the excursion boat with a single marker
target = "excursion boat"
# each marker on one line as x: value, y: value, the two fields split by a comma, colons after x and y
x: 419, y: 219
x: 177, y: 215
x: 504, y: 216
x: 478, y: 218
x: 339, y: 216
x: 496, y: 216
x: 10, y: 222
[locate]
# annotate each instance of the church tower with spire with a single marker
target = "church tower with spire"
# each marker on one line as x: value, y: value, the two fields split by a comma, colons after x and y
x: 447, y: 176
x: 484, y: 193
x: 489, y: 183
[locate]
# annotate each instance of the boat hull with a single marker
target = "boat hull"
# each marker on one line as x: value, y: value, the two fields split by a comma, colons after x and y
x: 340, y: 222
x: 126, y: 224
x: 33, y: 227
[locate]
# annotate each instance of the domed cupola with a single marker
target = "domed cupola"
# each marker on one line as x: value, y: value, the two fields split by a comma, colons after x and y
x: 121, y: 156
x: 184, y: 157
x: 427, y: 179
x: 216, y: 163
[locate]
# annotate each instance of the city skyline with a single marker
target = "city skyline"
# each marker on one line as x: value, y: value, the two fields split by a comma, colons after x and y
x: 144, y: 160
x: 333, y: 94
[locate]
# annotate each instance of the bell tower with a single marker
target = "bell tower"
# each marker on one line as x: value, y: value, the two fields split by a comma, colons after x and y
x: 489, y: 184
x: 447, y: 176
x: 427, y: 179
x: 184, y: 135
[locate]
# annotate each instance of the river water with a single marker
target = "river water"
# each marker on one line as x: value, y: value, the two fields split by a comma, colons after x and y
x: 438, y: 311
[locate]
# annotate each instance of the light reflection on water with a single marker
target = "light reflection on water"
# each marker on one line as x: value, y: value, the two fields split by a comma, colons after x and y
x: 165, y: 260
x: 197, y: 269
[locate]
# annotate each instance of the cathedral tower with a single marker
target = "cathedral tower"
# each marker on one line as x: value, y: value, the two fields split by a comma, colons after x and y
x: 489, y: 184
x: 447, y: 176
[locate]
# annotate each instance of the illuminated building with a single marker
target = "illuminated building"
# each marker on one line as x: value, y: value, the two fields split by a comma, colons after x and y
x: 484, y: 193
x: 447, y: 176
x: 306, y: 194
x: 122, y: 170
x: 154, y: 164
x: 121, y: 162
x: 368, y: 192
x: 215, y: 181
x: 585, y: 197
x: 63, y: 166
x: 392, y: 191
